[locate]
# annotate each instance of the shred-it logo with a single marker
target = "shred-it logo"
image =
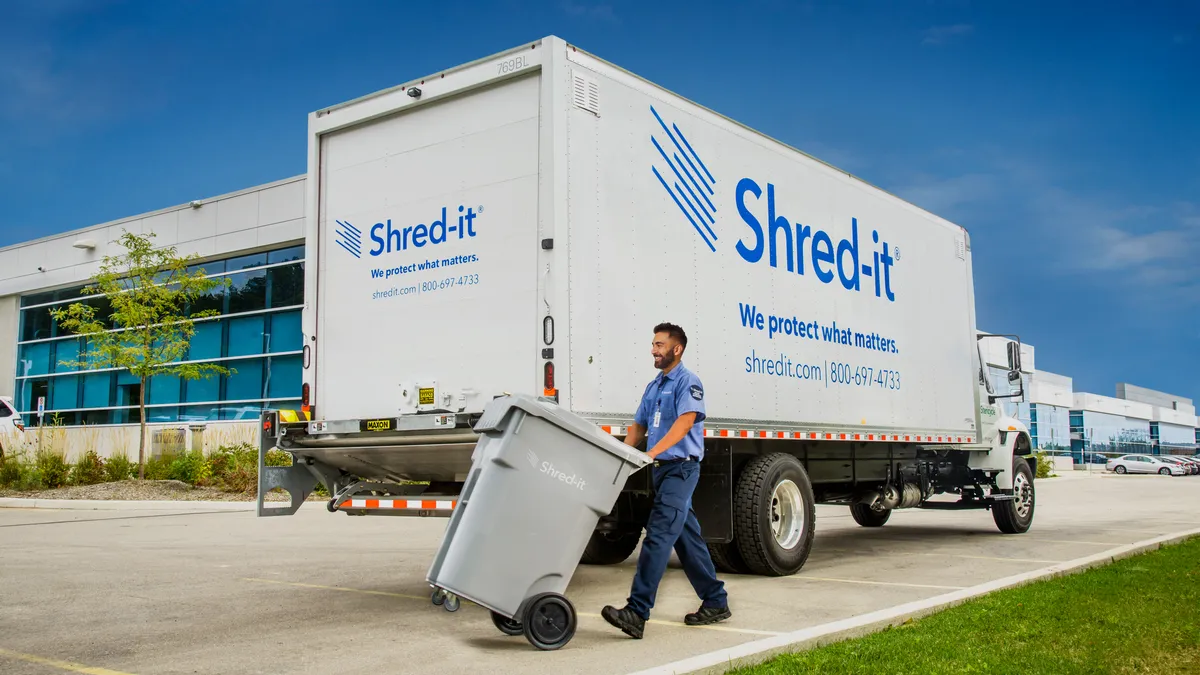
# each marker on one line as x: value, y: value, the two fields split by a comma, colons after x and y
x: 547, y: 468
x: 685, y: 178
x: 348, y: 237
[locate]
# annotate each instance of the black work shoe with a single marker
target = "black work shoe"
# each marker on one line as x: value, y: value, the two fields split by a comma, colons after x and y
x: 626, y: 619
x: 707, y: 615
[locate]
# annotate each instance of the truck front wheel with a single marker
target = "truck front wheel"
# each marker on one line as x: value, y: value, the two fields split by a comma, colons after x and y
x: 773, y: 515
x: 1016, y: 516
x: 868, y: 517
x: 610, y: 548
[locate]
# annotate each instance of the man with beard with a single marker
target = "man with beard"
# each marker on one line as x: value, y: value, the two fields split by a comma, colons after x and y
x: 670, y: 418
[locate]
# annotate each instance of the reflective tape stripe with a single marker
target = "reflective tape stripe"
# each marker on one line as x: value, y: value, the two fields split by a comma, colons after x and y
x: 403, y: 504
x: 720, y: 432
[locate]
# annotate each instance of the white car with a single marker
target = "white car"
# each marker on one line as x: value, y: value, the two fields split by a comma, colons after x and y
x: 10, y: 422
x: 1145, y: 464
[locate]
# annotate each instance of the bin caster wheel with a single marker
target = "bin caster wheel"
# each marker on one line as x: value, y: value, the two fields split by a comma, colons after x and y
x: 550, y: 621
x: 438, y: 597
x: 452, y: 603
x: 506, y: 625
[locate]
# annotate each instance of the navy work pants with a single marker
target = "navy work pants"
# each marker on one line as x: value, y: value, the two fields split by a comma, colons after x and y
x: 673, y: 524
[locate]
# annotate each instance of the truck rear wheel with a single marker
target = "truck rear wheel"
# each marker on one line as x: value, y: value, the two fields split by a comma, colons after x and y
x: 773, y: 515
x: 727, y: 558
x: 1015, y: 516
x: 868, y: 517
x: 610, y: 548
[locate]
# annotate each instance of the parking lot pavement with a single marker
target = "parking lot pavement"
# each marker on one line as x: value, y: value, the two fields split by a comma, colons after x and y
x: 149, y: 592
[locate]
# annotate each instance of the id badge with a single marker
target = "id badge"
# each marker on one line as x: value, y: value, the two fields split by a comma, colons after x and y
x: 657, y: 418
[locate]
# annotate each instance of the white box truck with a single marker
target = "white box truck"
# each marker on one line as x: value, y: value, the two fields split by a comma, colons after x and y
x: 519, y: 224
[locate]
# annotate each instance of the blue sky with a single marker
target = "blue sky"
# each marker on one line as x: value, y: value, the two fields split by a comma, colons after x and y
x: 1066, y: 141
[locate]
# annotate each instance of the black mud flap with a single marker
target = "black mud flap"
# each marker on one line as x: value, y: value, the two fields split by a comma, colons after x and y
x: 713, y: 499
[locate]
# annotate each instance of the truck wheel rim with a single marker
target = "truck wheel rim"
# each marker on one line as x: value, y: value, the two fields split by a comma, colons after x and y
x: 787, y: 514
x: 1022, y: 494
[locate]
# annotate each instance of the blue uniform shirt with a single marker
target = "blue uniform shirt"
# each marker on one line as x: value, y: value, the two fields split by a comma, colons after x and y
x: 665, y: 399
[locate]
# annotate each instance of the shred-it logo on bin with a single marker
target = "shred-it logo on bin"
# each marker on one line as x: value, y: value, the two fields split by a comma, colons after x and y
x: 548, y: 469
x: 835, y: 253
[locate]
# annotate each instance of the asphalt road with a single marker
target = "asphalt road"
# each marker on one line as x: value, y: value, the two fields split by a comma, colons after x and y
x: 154, y: 592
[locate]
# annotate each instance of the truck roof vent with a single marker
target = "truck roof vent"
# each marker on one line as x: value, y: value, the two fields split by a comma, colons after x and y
x: 586, y: 92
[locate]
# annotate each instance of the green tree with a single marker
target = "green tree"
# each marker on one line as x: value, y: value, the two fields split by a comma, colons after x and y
x: 149, y: 327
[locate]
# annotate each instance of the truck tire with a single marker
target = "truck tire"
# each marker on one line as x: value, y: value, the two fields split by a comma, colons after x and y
x: 868, y: 517
x: 610, y: 548
x: 726, y: 558
x: 1015, y: 517
x: 773, y: 515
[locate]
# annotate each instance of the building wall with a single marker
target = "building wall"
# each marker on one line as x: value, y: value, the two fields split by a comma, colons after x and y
x: 1050, y: 426
x: 253, y: 219
x: 1113, y: 406
x: 1176, y: 435
x: 8, y: 346
x: 1051, y: 389
x: 1169, y: 416
x: 1160, y: 399
x: 253, y: 237
x: 257, y: 337
x: 1105, y: 432
x: 107, y: 441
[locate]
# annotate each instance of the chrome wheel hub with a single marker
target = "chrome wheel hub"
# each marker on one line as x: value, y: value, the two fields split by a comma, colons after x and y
x: 1022, y: 495
x: 787, y: 514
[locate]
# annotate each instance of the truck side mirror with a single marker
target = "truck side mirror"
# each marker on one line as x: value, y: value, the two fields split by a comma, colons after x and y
x: 1014, y: 357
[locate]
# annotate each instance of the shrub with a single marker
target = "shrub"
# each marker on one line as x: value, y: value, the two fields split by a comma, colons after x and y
x: 158, y: 468
x: 89, y: 470
x: 235, y: 468
x: 1045, y: 465
x: 52, y: 469
x: 192, y: 468
x: 119, y: 467
x: 14, y: 470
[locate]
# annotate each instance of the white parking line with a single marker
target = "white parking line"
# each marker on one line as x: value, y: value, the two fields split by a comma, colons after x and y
x: 1076, y: 541
x: 902, y: 554
x: 1123, y: 529
x: 805, y: 577
x: 661, y: 622
x: 988, y: 557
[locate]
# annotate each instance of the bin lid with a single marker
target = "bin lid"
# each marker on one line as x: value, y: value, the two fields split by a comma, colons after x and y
x: 497, y: 411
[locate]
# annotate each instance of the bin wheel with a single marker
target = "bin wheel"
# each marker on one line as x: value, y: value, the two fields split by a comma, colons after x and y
x: 550, y: 621
x: 506, y: 625
x: 452, y: 603
x: 438, y: 597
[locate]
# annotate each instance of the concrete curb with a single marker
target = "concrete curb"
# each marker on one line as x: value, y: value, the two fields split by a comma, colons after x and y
x: 759, y: 651
x: 121, y: 505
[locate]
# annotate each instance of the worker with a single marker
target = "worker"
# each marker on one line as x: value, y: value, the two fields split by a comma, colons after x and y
x: 671, y: 420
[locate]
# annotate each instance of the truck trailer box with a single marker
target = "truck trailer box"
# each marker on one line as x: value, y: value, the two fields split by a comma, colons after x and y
x: 519, y: 224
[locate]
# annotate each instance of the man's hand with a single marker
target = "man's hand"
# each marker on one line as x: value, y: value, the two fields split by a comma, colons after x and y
x: 678, y: 430
x: 635, y: 435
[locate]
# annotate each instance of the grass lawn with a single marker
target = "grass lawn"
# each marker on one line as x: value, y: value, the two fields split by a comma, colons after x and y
x: 1139, y: 615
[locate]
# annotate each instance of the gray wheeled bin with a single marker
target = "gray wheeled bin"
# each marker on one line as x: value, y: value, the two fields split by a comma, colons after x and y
x: 541, y: 477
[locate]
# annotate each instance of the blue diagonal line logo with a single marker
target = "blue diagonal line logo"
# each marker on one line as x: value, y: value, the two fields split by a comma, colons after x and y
x: 687, y: 179
x: 348, y: 237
